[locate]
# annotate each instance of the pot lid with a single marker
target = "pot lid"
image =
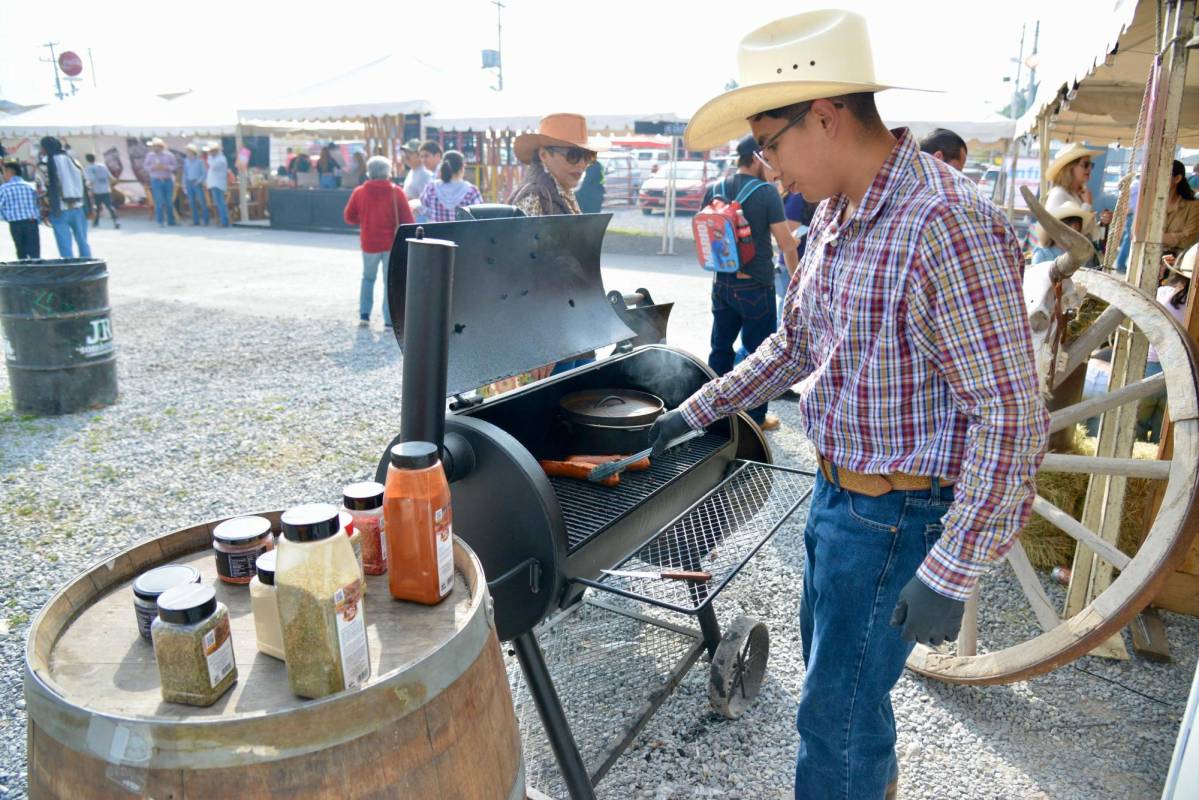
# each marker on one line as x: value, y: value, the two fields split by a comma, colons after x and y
x: 527, y: 292
x: 612, y: 407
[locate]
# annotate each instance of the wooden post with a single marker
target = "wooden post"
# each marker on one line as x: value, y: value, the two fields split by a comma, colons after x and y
x: 1043, y: 138
x: 243, y: 176
x: 1117, y: 431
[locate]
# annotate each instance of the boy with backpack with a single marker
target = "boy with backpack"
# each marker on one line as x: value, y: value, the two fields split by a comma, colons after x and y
x: 743, y: 295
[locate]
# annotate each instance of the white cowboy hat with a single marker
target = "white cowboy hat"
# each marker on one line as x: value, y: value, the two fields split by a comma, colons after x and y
x: 1063, y: 211
x: 1067, y: 155
x: 192, y: 147
x: 156, y: 142
x: 557, y: 130
x: 791, y: 60
x: 1185, y: 266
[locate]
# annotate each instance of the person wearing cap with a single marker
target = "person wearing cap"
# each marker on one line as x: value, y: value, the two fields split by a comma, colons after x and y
x: 217, y: 181
x: 195, y: 173
x: 160, y: 165
x: 906, y: 335
x: 945, y: 145
x: 1072, y: 214
x: 1177, y: 273
x: 557, y: 156
x: 428, y: 164
x: 409, y: 160
x: 19, y: 208
x: 1068, y: 175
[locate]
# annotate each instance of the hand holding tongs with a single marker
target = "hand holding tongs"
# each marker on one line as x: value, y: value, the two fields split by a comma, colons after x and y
x: 605, y: 470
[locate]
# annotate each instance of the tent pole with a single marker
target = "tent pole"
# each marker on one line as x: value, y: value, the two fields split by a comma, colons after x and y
x: 243, y: 177
x: 1043, y: 139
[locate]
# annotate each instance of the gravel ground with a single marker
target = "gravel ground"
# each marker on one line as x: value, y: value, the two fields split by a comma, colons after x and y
x: 632, y: 219
x: 230, y: 412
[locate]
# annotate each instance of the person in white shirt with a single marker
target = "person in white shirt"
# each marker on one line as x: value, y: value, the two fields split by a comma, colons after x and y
x: 99, y: 179
x: 218, y: 181
x: 62, y: 179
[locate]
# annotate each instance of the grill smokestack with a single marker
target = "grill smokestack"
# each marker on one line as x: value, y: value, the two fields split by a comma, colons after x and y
x: 426, y: 339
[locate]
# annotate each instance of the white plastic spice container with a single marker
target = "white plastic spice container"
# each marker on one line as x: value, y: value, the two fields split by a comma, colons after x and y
x: 264, y: 604
x: 238, y: 543
x: 193, y: 646
x: 150, y: 584
x: 346, y: 520
x: 320, y: 603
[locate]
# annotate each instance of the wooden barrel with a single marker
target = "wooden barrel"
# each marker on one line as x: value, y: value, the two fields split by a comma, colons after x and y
x: 435, y: 720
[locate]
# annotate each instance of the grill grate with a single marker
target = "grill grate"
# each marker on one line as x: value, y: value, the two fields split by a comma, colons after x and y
x: 719, y: 535
x: 588, y: 509
x: 607, y: 662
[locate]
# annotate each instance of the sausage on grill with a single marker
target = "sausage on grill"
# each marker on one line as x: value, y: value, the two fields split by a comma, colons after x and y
x: 575, y: 470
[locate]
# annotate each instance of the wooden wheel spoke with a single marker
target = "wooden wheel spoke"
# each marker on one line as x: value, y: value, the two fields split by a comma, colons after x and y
x: 1079, y: 351
x: 1094, y: 465
x: 1072, y: 415
x: 1031, y: 584
x: 1079, y: 532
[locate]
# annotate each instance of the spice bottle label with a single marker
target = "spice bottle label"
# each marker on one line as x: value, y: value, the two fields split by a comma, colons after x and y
x: 443, y: 532
x: 351, y: 634
x: 238, y: 565
x: 218, y: 652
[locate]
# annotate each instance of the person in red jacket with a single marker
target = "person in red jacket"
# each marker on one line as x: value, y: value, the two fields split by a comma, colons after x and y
x: 377, y: 207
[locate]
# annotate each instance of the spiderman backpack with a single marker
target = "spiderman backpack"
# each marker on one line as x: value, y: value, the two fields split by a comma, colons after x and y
x: 723, y: 240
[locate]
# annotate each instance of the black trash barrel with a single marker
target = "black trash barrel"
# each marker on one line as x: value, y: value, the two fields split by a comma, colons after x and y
x: 57, y: 327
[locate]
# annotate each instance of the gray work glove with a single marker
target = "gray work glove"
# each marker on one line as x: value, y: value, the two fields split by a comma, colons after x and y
x: 666, y: 429
x: 926, y: 616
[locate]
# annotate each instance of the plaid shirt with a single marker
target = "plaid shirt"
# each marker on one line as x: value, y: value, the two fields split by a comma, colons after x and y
x: 18, y: 200
x: 906, y: 332
x: 436, y: 211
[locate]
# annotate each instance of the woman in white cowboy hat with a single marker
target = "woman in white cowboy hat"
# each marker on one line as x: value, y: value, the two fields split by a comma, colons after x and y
x: 1069, y: 212
x: 906, y: 337
x: 557, y: 155
x: 1067, y: 175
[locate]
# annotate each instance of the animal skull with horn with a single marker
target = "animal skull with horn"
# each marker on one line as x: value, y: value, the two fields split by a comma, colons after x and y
x: 1049, y: 293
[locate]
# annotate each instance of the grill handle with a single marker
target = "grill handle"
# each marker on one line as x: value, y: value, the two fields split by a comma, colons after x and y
x: 428, y: 289
x: 530, y: 567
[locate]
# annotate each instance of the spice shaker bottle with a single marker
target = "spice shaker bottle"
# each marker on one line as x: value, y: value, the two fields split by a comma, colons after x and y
x: 364, y: 502
x: 320, y: 603
x: 346, y: 520
x: 150, y: 584
x: 193, y: 646
x: 264, y: 604
x: 238, y: 542
x: 419, y: 525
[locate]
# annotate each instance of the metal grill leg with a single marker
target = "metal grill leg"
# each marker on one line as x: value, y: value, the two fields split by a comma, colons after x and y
x: 710, y: 627
x: 549, y: 708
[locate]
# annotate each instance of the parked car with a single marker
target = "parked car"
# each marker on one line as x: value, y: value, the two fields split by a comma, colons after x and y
x: 650, y: 160
x: 621, y: 177
x: 691, y: 178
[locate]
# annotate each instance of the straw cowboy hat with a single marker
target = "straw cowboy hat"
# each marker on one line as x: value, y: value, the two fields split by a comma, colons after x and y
x: 791, y: 60
x: 557, y: 130
x: 1185, y: 266
x: 156, y: 142
x: 193, y: 148
x: 1064, y: 211
x: 1066, y: 156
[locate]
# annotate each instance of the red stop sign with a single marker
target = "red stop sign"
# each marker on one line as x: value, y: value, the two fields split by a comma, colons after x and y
x: 70, y: 63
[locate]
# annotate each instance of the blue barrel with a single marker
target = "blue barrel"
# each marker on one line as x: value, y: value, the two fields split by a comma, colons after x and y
x: 57, y: 328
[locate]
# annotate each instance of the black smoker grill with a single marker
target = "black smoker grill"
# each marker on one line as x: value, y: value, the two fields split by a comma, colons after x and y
x: 477, y: 301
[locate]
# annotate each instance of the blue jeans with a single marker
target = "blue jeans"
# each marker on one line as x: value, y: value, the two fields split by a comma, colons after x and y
x: 67, y: 223
x: 745, y: 308
x: 860, y: 551
x: 782, y: 279
x: 218, y: 200
x: 366, y: 294
x: 1152, y: 411
x: 1125, y: 246
x: 329, y: 181
x: 163, y: 190
x: 198, y: 201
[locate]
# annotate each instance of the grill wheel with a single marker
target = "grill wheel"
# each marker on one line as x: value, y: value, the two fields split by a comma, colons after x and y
x: 739, y: 666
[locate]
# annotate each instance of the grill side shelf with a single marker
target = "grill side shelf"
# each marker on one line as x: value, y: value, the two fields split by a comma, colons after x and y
x: 719, y: 534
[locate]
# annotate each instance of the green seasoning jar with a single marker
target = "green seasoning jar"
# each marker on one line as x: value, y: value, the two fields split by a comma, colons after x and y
x: 319, y: 589
x: 193, y: 646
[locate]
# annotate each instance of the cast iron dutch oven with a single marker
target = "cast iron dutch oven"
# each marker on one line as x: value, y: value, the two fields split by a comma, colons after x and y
x: 610, y: 421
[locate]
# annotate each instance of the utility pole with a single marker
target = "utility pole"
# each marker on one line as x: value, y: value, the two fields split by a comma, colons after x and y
x: 499, y: 39
x: 54, y: 66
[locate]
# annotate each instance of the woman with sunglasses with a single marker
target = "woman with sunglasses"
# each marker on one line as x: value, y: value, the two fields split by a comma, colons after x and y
x: 557, y: 156
x: 1068, y: 175
x: 1182, y: 214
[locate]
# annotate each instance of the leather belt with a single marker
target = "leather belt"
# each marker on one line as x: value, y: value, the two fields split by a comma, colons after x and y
x: 877, y: 485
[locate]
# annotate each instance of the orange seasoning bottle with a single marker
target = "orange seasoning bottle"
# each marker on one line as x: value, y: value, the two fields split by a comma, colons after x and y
x: 418, y: 524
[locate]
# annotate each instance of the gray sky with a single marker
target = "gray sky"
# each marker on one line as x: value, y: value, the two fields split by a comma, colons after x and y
x: 618, y: 56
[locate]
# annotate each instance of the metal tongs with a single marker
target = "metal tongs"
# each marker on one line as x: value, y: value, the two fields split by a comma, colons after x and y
x: 616, y: 467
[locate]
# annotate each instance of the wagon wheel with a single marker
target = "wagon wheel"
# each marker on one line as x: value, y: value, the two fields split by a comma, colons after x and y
x: 1165, y: 544
x: 739, y: 666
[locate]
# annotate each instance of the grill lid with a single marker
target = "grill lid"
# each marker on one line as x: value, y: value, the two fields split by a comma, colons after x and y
x: 527, y: 292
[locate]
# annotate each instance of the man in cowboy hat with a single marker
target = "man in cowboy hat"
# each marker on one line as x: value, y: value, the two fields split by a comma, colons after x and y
x: 905, y: 330
x: 160, y: 165
x: 195, y: 171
